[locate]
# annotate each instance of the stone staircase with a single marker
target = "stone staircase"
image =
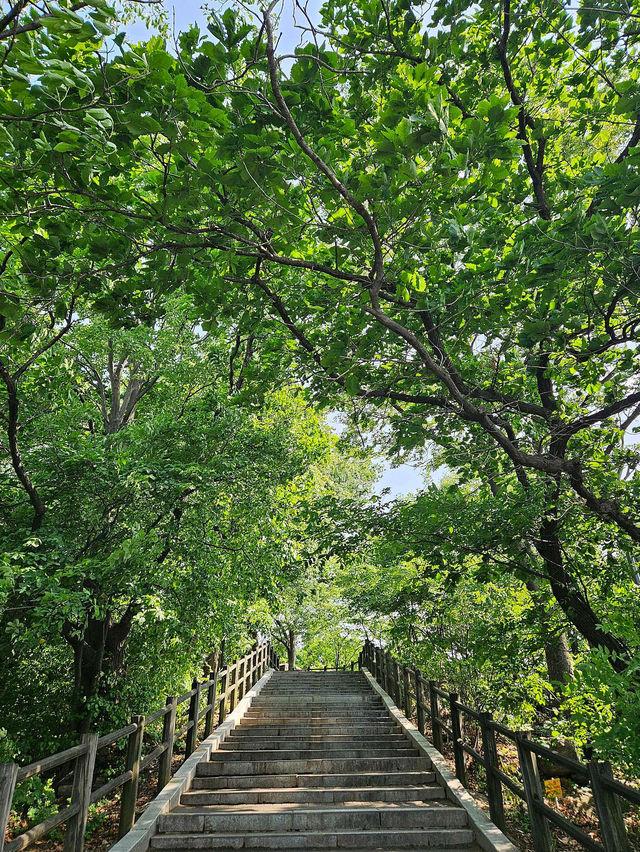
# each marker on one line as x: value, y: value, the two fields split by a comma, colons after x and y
x: 317, y: 762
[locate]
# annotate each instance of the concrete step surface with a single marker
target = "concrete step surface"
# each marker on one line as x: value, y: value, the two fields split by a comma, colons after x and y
x: 270, y: 795
x: 288, y: 753
x: 329, y: 743
x: 294, y: 816
x: 321, y: 779
x: 340, y: 716
x: 314, y: 764
x: 259, y: 729
x: 436, y: 840
x: 317, y: 762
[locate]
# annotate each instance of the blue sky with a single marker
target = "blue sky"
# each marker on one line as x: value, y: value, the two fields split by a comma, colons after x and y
x: 186, y: 12
x: 405, y: 478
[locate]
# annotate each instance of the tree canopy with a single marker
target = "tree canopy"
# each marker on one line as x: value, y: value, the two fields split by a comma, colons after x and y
x: 422, y: 224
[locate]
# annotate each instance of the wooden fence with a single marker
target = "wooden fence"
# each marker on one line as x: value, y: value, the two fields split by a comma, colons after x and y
x: 222, y: 691
x: 412, y: 692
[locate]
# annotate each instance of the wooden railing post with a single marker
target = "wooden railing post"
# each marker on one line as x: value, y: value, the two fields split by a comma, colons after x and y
x: 81, y: 794
x: 233, y: 687
x: 397, y: 683
x: 379, y: 668
x: 434, y: 704
x: 168, y: 739
x: 224, y: 680
x: 612, y: 827
x: 259, y: 656
x: 418, y: 682
x: 457, y: 726
x: 130, y: 787
x: 240, y: 678
x: 194, y: 705
x: 494, y: 784
x: 211, y: 703
x: 388, y: 682
x: 540, y: 831
x: 8, y: 775
x: 394, y: 680
x: 407, y: 692
x: 248, y: 678
x: 389, y: 672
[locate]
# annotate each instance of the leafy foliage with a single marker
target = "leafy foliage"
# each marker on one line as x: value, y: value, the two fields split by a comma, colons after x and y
x: 426, y: 218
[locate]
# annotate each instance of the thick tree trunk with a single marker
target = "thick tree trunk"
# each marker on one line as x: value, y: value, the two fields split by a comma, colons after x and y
x: 558, y: 657
x: 97, y: 652
x: 572, y: 601
x: 556, y: 645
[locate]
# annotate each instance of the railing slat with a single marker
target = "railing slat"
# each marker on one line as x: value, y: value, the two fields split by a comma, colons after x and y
x: 110, y: 786
x: 107, y: 739
x: 568, y: 827
x: 52, y: 762
x: 41, y: 830
x: 151, y: 758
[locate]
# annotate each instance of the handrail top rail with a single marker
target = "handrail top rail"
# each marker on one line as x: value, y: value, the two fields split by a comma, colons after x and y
x: 394, y: 677
x: 58, y: 758
x: 248, y: 668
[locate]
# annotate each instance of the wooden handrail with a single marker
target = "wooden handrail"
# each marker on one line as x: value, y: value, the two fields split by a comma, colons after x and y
x: 252, y: 667
x: 395, y: 679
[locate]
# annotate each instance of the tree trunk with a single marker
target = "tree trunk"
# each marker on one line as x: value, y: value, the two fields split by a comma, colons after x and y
x: 558, y: 657
x: 556, y: 645
x: 97, y: 652
x: 572, y: 601
x: 291, y: 650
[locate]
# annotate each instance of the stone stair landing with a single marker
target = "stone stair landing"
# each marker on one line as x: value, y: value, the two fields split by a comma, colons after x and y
x: 317, y: 762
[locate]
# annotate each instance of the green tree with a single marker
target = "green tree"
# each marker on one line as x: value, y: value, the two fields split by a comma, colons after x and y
x: 159, y: 496
x: 445, y: 225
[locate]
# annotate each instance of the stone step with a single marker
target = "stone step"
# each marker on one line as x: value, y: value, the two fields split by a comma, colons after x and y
x: 338, y: 692
x: 336, y: 742
x: 324, y: 680
x: 347, y: 684
x: 313, y: 766
x: 355, y: 686
x: 327, y: 697
x: 310, y: 708
x: 265, y: 795
x: 362, y: 816
x: 318, y: 716
x: 222, y: 754
x: 306, y: 701
x: 258, y: 729
x: 331, y: 674
x: 313, y: 780
x: 436, y: 840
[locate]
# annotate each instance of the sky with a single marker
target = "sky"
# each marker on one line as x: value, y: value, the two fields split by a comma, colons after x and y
x: 185, y: 12
x: 405, y: 478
